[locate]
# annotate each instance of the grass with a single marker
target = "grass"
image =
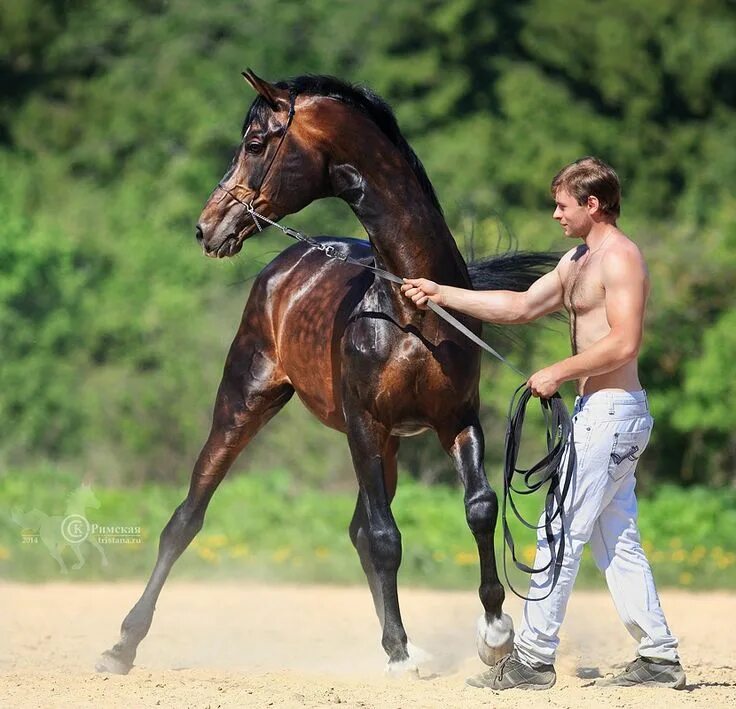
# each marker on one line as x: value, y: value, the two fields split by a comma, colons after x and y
x: 269, y: 526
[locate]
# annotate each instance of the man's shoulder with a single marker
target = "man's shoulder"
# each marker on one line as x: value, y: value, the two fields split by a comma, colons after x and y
x: 623, y: 256
x: 624, y: 247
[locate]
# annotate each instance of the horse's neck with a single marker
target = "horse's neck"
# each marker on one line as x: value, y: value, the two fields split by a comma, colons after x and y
x: 408, y: 234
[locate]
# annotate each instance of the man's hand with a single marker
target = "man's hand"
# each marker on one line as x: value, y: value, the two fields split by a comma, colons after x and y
x: 420, y: 290
x: 545, y: 382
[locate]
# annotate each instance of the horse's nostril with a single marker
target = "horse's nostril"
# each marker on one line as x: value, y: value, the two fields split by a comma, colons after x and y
x: 199, y: 234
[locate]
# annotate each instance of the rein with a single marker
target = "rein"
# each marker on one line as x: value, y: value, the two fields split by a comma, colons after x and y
x: 559, y: 434
x: 557, y: 419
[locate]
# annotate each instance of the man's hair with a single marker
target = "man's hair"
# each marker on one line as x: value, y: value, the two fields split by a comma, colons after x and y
x: 590, y: 177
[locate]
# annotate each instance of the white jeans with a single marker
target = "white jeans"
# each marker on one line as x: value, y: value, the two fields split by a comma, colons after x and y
x: 611, y: 430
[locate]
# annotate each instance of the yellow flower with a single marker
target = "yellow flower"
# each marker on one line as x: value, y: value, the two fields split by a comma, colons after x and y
x: 321, y: 552
x: 686, y: 578
x: 466, y: 558
x: 675, y: 543
x: 529, y: 553
x: 697, y: 554
x: 208, y: 555
x: 281, y: 555
x: 679, y: 555
x: 4, y: 553
x: 216, y: 541
x: 239, y: 551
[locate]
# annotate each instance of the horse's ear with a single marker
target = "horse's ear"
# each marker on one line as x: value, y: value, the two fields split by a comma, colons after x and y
x: 275, y: 96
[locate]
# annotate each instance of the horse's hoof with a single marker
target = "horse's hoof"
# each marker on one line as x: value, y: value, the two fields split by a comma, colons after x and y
x: 410, y: 666
x: 112, y: 664
x: 494, y: 639
x: 402, y: 668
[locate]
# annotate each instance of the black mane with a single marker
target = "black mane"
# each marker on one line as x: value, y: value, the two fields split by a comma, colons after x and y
x: 360, y: 98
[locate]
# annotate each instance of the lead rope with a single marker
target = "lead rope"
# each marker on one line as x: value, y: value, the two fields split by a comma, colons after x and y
x: 556, y: 416
x: 560, y: 454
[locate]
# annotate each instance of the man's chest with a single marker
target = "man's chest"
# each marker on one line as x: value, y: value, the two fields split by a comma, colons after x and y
x: 583, y: 287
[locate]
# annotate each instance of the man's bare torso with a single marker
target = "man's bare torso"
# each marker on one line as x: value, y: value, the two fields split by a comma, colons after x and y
x: 584, y: 298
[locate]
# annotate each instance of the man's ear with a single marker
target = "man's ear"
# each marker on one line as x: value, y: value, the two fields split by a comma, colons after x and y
x: 276, y: 98
x: 593, y: 204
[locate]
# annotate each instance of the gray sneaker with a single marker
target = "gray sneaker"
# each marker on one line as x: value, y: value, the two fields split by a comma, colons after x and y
x: 511, y: 673
x: 643, y: 672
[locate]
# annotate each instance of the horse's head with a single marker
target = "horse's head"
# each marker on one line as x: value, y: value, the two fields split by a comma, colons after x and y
x: 82, y: 498
x: 278, y: 168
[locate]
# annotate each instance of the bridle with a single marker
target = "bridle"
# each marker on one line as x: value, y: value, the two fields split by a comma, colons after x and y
x: 249, y: 205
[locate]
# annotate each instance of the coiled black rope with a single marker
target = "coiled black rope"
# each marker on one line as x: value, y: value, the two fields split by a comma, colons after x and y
x: 548, y: 471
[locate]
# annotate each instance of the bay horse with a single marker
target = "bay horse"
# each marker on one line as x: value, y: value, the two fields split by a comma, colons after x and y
x: 358, y: 354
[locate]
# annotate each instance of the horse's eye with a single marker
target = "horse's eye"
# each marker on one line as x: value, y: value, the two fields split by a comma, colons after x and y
x: 254, y: 147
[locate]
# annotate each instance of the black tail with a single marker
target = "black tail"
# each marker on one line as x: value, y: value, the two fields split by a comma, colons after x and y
x: 515, y: 270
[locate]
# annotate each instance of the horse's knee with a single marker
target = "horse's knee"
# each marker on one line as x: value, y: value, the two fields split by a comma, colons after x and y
x: 184, y: 525
x: 385, y: 546
x: 481, y: 513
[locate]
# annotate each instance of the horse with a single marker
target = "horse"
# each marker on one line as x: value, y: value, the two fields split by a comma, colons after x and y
x: 360, y: 357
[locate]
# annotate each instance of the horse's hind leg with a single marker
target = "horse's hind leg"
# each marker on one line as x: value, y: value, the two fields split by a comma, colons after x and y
x: 495, y: 631
x: 251, y: 392
x: 368, y: 442
x: 359, y: 526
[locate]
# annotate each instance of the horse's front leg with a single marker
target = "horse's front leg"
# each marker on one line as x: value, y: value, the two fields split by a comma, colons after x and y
x: 244, y: 404
x: 369, y: 440
x: 466, y: 446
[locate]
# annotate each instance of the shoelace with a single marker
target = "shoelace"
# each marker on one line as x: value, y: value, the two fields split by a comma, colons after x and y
x: 497, y: 670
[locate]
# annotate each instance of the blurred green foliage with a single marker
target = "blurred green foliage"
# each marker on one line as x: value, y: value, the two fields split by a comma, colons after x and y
x: 117, y: 119
x: 274, y: 526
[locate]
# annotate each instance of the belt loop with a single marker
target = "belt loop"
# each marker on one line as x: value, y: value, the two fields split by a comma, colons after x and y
x: 611, y: 407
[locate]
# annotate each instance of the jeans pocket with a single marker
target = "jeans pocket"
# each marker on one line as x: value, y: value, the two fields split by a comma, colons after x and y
x: 625, y: 452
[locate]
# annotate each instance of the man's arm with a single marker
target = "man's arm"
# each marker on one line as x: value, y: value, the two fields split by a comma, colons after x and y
x: 496, y: 306
x: 626, y: 285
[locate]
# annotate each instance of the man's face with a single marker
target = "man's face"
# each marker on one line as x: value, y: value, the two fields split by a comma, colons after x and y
x: 574, y: 218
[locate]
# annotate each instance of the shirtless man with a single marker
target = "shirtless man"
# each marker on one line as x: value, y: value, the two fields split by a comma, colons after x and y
x: 603, y: 284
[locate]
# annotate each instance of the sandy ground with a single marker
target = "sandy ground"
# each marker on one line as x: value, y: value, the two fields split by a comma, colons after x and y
x: 239, y: 645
